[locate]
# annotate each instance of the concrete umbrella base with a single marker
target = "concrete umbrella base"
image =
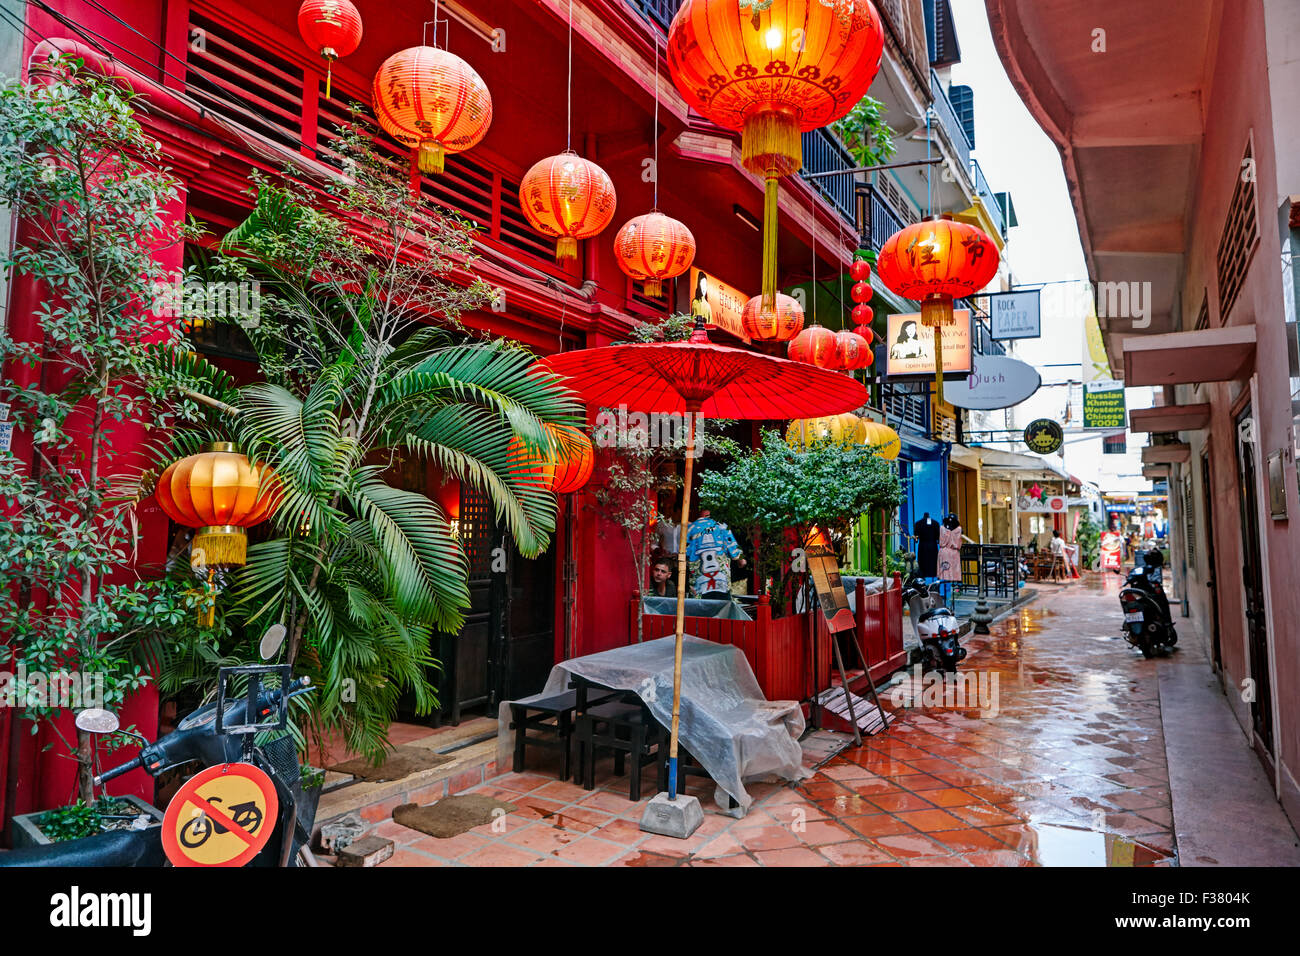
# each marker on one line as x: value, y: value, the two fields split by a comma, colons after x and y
x: 675, y: 818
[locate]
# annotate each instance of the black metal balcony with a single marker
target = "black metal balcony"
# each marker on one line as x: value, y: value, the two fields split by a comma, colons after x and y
x: 874, y: 218
x: 660, y: 11
x: 823, y: 153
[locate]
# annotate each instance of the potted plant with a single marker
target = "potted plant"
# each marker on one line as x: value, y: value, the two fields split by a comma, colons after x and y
x: 82, y: 819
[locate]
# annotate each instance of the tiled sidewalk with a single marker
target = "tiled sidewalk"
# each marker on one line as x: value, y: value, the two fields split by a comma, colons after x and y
x: 1069, y: 770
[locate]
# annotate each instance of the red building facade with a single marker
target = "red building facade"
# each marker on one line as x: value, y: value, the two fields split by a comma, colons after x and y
x: 231, y: 88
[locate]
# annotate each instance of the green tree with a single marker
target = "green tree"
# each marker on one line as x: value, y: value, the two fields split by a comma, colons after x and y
x: 865, y: 134
x: 776, y: 489
x: 366, y: 364
x: 88, y: 187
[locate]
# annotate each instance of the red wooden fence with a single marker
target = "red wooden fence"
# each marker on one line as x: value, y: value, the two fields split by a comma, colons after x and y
x: 779, y: 649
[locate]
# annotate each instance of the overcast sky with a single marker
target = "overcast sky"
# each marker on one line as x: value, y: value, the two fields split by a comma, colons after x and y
x: 1017, y: 156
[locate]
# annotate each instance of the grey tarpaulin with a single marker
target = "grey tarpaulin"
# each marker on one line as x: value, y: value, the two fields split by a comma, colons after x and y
x: 727, y: 725
x: 696, y: 607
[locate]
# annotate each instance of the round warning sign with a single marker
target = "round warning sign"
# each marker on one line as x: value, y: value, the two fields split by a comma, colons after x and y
x: 221, y: 817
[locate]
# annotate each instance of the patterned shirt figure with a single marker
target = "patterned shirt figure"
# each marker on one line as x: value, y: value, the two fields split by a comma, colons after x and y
x: 710, y: 548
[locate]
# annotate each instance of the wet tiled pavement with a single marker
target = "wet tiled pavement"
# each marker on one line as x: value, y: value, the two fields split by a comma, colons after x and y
x: 1063, y: 765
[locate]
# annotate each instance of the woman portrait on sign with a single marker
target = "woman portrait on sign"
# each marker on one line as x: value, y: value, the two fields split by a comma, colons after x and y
x: 700, y: 303
x: 908, y: 344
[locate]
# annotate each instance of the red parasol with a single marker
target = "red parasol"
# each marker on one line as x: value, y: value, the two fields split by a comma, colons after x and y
x: 702, y: 379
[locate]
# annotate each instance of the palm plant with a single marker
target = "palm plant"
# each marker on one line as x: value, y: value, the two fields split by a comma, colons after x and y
x: 358, y: 342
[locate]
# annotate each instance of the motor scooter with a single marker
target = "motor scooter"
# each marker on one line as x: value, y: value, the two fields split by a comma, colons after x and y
x: 1148, y: 625
x: 935, y: 625
x: 222, y: 732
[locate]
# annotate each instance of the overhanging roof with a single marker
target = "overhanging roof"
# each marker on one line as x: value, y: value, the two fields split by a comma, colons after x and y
x: 1169, y: 418
x: 1224, y: 354
x: 1166, y: 454
x: 1155, y: 471
x: 1023, y: 465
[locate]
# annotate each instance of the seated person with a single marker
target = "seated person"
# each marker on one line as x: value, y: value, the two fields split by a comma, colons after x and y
x: 662, y: 573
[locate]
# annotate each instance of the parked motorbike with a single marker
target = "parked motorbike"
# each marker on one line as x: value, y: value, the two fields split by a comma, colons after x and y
x: 215, y: 734
x: 935, y: 625
x: 1148, y: 624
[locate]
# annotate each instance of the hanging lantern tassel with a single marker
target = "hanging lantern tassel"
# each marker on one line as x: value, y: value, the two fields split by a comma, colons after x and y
x: 566, y: 247
x: 936, y: 312
x: 938, y: 364
x: 219, y: 546
x: 653, y: 288
x: 770, y: 193
x: 329, y: 69
x: 432, y: 157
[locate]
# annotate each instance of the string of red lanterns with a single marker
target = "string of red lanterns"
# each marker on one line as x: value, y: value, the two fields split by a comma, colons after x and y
x: 332, y: 28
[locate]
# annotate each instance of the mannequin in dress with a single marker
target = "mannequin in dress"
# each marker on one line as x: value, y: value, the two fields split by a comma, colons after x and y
x: 927, y: 546
x: 950, y: 549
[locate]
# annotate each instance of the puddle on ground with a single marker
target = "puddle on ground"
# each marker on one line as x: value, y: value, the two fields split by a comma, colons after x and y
x: 1055, y: 845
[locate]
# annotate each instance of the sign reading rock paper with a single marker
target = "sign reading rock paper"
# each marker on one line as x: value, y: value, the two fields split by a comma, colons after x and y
x: 995, y: 381
x: 1015, y: 315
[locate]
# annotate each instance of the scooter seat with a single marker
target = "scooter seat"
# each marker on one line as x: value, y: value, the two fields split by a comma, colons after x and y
x: 116, y: 848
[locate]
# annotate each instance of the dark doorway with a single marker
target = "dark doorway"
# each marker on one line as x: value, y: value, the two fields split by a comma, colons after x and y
x: 1212, y: 569
x: 1261, y: 709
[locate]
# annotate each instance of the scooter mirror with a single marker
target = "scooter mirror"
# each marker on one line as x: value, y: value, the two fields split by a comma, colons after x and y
x: 93, y: 720
x: 271, y: 641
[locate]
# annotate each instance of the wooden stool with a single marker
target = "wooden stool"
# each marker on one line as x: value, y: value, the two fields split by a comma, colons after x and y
x: 537, y: 715
x: 624, y: 728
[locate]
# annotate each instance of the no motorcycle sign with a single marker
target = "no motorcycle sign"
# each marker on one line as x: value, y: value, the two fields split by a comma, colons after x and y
x: 220, y: 817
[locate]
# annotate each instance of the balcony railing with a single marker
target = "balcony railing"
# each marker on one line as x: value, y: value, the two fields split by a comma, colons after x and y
x: 823, y: 153
x: 986, y: 195
x: 660, y: 11
x: 907, y: 404
x: 876, y: 220
x: 949, y: 121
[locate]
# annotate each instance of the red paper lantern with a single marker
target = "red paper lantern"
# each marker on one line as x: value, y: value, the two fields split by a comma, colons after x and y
x: 866, y: 332
x: 860, y: 270
x: 332, y: 28
x: 861, y: 292
x: 568, y: 198
x: 850, y: 349
x: 432, y: 101
x: 652, y: 248
x: 532, y: 466
x: 935, y: 262
x: 815, y: 346
x: 772, y: 71
x: 574, y: 458
x: 862, y: 314
x: 772, y: 325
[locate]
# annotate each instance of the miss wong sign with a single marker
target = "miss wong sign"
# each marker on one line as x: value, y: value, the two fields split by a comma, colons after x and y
x: 995, y: 381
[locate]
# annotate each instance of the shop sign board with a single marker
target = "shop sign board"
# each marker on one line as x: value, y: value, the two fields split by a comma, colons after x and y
x: 719, y: 304
x: 995, y: 381
x: 1103, y: 405
x: 1044, y: 436
x: 1016, y: 315
x: 909, y: 346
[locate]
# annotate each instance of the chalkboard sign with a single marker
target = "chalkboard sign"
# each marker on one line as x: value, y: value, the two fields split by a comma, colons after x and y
x: 830, y: 589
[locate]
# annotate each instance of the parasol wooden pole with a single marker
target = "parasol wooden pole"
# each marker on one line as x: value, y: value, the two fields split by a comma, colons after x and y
x: 691, y: 415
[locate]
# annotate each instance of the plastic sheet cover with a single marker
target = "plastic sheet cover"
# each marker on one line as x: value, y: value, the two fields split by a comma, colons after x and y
x: 726, y: 723
x: 696, y: 607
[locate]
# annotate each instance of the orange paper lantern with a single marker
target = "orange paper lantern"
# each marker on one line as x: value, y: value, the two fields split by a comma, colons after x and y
x: 332, y: 28
x: 533, y: 467
x: 935, y: 262
x: 219, y: 493
x: 815, y: 346
x: 432, y: 101
x: 652, y: 248
x: 568, y: 198
x: 574, y: 458
x: 772, y: 325
x: 773, y: 72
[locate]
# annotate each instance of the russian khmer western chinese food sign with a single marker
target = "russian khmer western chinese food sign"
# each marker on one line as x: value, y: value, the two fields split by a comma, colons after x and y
x: 1103, y: 405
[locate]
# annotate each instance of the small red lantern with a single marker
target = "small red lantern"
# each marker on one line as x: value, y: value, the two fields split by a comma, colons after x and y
x: 652, y: 248
x: 574, y: 458
x: 815, y: 346
x: 850, y: 348
x: 862, y: 314
x: 860, y: 270
x: 568, y: 198
x: 332, y: 28
x: 779, y: 325
x: 433, y: 101
x: 861, y: 292
x: 866, y: 332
